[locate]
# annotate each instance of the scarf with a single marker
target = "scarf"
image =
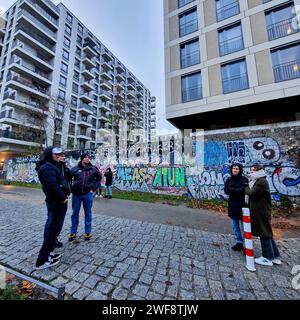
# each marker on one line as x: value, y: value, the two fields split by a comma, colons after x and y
x: 253, y: 177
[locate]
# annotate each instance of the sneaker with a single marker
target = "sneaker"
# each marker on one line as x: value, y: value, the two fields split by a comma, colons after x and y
x: 100, y: 196
x: 277, y: 261
x: 87, y: 236
x: 55, y: 256
x: 47, y: 264
x: 96, y: 196
x: 263, y: 261
x: 72, y: 236
x: 58, y: 244
x: 238, y: 247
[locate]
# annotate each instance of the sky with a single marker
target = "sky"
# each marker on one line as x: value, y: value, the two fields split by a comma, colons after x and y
x: 133, y: 31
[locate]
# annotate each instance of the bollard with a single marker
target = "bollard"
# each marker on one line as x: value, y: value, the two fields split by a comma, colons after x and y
x: 248, y: 240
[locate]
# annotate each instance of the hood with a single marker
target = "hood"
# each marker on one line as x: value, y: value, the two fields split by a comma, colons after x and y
x: 46, y: 157
x: 241, y: 170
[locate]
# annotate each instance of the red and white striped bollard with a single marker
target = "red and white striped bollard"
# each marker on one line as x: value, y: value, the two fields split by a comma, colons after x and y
x: 250, y: 265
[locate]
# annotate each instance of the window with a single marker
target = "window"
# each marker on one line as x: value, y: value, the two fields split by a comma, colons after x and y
x: 234, y: 76
x: 78, y: 52
x: 79, y: 40
x: 230, y: 39
x: 227, y: 8
x: 67, y: 42
x: 77, y: 63
x: 69, y: 18
x: 65, y: 55
x: 182, y: 3
x: 76, y: 75
x: 80, y: 28
x: 191, y: 87
x: 188, y: 22
x: 190, y: 53
x: 61, y: 94
x: 286, y: 63
x: 64, y: 68
x: 63, y: 81
x: 74, y: 101
x: 68, y: 30
x: 75, y: 88
x: 59, y: 108
x: 280, y: 22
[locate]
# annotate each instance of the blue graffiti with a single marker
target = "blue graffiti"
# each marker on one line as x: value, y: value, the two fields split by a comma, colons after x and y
x: 289, y: 182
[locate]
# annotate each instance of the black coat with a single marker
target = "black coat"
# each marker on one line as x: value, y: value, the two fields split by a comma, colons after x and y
x: 109, y: 177
x: 235, y: 188
x: 55, y: 186
x: 85, y: 179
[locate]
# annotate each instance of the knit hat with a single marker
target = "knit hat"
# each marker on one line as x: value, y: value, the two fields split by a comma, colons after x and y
x: 84, y: 155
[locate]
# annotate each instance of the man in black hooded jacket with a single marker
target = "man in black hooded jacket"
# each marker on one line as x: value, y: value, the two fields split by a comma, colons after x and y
x: 235, y: 188
x: 57, y: 190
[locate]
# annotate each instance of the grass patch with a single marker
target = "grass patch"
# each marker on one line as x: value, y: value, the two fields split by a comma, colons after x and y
x: 11, y: 294
x: 20, y: 184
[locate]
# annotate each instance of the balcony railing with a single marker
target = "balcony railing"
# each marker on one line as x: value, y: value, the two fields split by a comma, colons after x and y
x: 38, y: 38
x: 281, y: 29
x: 86, y: 107
x: 36, y: 21
x: 236, y: 83
x: 43, y: 12
x: 231, y: 45
x: 190, y: 59
x: 36, y: 71
x: 28, y: 137
x: 27, y: 83
x: 52, y: 5
x: 228, y: 10
x: 188, y: 27
x: 287, y: 71
x: 12, y: 96
x: 193, y: 93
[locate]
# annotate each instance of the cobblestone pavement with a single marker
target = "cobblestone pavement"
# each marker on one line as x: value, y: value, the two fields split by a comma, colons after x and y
x: 135, y: 260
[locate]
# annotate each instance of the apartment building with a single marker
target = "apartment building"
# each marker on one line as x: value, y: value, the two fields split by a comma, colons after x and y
x: 231, y: 63
x: 55, y: 74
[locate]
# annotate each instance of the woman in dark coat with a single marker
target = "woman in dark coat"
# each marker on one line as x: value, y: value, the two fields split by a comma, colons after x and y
x: 108, y: 182
x: 235, y: 188
x: 259, y: 198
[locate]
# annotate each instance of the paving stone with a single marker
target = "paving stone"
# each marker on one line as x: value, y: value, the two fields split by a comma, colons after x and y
x: 92, y: 281
x: 104, y: 287
x: 119, y: 294
x: 82, y: 293
x: 140, y: 290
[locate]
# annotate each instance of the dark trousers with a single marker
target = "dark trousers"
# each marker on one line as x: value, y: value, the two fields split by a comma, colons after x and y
x: 58, y: 213
x: 269, y: 248
x: 49, y: 218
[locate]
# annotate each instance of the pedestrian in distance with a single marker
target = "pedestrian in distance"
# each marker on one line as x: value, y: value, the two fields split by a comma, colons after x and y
x: 108, y: 182
x: 85, y: 182
x: 56, y: 190
x: 235, y: 189
x: 259, y: 198
x: 98, y: 192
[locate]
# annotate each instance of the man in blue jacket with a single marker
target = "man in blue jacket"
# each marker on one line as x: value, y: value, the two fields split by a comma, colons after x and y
x: 57, y: 190
x: 85, y: 182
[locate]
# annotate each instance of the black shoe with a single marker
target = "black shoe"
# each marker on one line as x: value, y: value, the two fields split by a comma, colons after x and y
x: 47, y: 264
x: 58, y: 244
x: 238, y: 247
x: 55, y: 256
x: 72, y: 237
x: 109, y: 197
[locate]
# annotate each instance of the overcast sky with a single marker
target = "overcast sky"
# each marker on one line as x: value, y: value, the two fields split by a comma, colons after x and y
x: 133, y: 31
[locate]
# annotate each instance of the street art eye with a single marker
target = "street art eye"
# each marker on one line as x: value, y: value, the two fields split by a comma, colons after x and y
x: 258, y: 145
x: 269, y: 154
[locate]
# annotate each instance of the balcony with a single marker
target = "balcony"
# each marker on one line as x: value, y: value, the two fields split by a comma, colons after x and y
x: 281, y: 29
x: 85, y: 108
x: 11, y: 99
x: 28, y: 139
x: 228, y: 11
x: 83, y: 136
x: 27, y: 34
x: 17, y: 82
x: 191, y: 94
x: 105, y: 95
x: 231, y: 45
x: 120, y: 68
x: 107, y: 66
x: 87, y: 85
x: 131, y: 94
x: 140, y: 94
x: 188, y: 27
x: 87, y: 74
x: 89, y: 50
x: 47, y: 18
x: 236, y: 83
x: 131, y: 78
x: 120, y: 77
x: 17, y: 65
x: 130, y: 86
x: 105, y: 107
x: 88, y: 38
x: 106, y: 75
x: 287, y: 71
x: 106, y: 85
x: 25, y: 15
x: 89, y: 62
x: 84, y: 122
x: 54, y: 9
x: 28, y: 123
x: 120, y: 85
x: 107, y: 55
x: 86, y: 97
x: 103, y: 118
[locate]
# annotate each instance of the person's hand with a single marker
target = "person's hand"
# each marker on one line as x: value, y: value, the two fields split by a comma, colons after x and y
x: 66, y: 201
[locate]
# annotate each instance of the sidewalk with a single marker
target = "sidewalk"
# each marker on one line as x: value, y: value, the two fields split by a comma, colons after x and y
x: 131, y: 259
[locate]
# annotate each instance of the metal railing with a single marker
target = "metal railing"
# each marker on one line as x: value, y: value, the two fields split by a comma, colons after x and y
x: 27, y: 83
x: 36, y: 71
x: 231, y: 45
x: 193, y: 93
x: 188, y: 27
x: 287, y: 71
x: 86, y: 107
x: 281, y: 29
x: 43, y: 12
x: 20, y: 137
x: 236, y: 83
x: 52, y: 5
x: 190, y: 59
x: 228, y: 10
x: 12, y: 96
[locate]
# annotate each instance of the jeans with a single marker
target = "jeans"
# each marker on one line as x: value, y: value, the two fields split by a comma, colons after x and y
x: 236, y: 227
x: 109, y: 191
x: 58, y: 213
x: 98, y: 191
x: 269, y: 248
x: 49, y: 218
x: 87, y: 200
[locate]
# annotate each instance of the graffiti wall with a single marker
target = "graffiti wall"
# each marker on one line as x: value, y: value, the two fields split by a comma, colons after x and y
x: 221, y: 149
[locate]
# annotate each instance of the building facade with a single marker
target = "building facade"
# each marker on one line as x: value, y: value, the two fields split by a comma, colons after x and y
x: 231, y: 63
x: 58, y: 82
